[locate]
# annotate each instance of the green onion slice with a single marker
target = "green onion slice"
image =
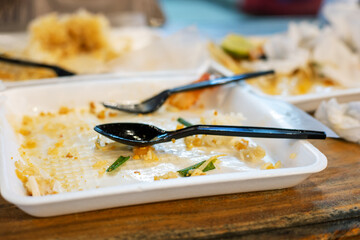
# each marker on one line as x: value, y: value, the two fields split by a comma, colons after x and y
x: 185, y: 172
x: 184, y: 122
x: 121, y: 160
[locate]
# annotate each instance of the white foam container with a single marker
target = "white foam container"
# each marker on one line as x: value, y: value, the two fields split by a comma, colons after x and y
x: 308, y: 102
x: 311, y: 101
x: 170, y: 74
x: 16, y: 42
x: 51, y: 96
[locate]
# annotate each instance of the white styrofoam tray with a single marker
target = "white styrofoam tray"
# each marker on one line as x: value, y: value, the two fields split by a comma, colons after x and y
x: 25, y: 100
x: 115, y: 75
x: 141, y: 37
x: 307, y: 102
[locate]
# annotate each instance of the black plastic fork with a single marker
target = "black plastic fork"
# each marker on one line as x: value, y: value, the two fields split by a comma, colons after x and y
x: 154, y: 103
x: 60, y: 72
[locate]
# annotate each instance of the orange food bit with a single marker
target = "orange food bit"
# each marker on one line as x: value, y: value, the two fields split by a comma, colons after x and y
x: 112, y: 114
x: 186, y: 100
x: 60, y: 143
x: 242, y: 144
x: 197, y: 142
x: 101, y: 115
x: 26, y: 120
x: 267, y: 166
x: 146, y: 153
x: 64, y: 110
x: 142, y: 150
x: 179, y: 126
x: 92, y: 107
x: 24, y: 132
x: 29, y: 144
x: 21, y: 176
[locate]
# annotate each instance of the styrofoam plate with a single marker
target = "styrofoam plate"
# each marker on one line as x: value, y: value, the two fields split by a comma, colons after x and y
x: 307, y: 102
x: 47, y: 97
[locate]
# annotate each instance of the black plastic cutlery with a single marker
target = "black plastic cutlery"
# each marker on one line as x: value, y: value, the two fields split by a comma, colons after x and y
x: 139, y: 134
x: 152, y: 104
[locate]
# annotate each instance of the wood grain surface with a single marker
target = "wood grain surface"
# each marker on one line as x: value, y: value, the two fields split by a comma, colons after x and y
x: 325, y: 206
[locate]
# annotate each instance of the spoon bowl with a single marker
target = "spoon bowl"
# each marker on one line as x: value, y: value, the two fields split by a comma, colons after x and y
x: 139, y: 134
x: 130, y: 133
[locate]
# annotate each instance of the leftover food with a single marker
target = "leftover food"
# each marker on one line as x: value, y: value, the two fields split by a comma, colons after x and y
x: 60, y: 152
x: 66, y: 40
x: 306, y: 59
x: 12, y: 72
x: 81, y: 42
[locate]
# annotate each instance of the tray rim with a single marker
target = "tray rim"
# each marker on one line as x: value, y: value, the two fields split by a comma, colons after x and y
x: 317, y: 166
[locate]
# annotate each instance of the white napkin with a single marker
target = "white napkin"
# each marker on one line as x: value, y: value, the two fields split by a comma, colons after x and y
x: 344, y: 119
x: 336, y: 60
x: 344, y: 17
x: 285, y: 52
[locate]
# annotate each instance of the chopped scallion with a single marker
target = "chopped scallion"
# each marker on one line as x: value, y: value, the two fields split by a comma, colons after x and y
x: 121, y: 160
x: 184, y: 122
x: 185, y: 172
x: 209, y: 167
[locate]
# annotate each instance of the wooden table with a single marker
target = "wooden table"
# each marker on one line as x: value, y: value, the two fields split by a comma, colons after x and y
x: 325, y: 206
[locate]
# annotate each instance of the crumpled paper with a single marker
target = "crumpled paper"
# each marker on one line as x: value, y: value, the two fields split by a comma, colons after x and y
x: 344, y: 118
x: 285, y: 52
x: 335, y: 59
x: 184, y: 50
x: 344, y: 17
x: 306, y: 43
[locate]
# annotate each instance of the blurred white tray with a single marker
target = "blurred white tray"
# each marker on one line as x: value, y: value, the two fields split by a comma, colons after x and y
x: 170, y: 74
x: 145, y: 41
x: 307, y: 102
x: 46, y: 97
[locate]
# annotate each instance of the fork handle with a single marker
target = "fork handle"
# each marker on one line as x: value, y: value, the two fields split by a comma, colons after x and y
x: 58, y: 70
x: 257, y: 132
x: 219, y: 81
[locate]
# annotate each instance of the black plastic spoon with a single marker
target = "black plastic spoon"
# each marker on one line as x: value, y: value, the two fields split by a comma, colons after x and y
x: 139, y: 134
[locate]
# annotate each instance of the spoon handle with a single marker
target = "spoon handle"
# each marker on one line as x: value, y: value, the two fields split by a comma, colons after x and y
x: 257, y: 132
x: 219, y: 81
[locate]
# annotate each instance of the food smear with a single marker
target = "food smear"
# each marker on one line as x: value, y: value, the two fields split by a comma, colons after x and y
x: 60, y: 151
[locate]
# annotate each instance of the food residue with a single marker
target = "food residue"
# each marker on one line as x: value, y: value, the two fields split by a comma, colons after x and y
x: 60, y: 152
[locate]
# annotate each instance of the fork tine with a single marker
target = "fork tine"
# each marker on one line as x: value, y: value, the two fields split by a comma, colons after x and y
x: 122, y: 107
